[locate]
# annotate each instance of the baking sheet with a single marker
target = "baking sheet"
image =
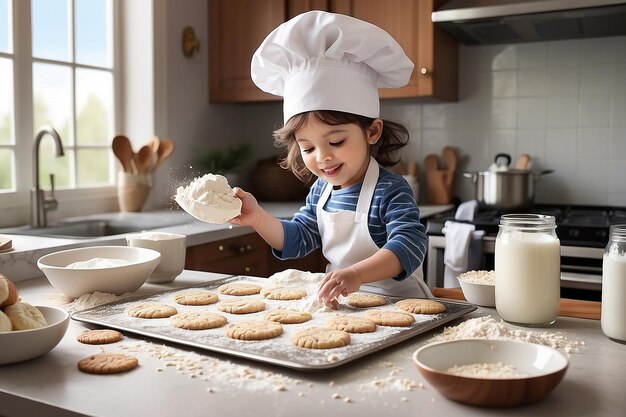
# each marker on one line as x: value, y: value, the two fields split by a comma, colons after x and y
x: 276, y: 351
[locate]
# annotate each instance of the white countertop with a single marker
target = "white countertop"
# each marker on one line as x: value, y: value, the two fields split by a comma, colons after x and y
x: 20, y: 262
x: 53, y: 386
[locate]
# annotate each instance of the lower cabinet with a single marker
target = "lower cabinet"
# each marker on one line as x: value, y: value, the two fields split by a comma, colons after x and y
x: 246, y: 255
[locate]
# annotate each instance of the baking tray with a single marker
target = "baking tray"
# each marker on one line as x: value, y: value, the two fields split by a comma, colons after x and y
x: 277, y: 351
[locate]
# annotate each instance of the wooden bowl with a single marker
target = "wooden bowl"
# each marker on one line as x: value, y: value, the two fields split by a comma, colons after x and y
x: 538, y: 369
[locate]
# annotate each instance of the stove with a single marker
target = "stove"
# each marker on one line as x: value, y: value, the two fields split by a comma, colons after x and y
x: 583, y: 232
x: 582, y: 226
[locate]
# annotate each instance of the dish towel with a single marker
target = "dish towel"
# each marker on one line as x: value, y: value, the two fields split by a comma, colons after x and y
x: 463, y: 244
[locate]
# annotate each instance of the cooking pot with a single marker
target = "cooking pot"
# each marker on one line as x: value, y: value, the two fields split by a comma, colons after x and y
x: 503, y: 188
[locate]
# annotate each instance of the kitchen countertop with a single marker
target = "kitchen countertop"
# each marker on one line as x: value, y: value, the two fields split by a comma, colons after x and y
x: 51, y: 385
x: 20, y: 263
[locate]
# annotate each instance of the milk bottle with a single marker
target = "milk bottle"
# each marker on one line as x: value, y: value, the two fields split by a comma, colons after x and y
x: 528, y: 269
x: 614, y: 284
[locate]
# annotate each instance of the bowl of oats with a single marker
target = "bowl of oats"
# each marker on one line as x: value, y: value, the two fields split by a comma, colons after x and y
x: 489, y: 372
x: 479, y: 287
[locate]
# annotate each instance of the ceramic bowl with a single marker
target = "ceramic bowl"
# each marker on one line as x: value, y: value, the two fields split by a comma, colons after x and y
x: 22, y: 345
x: 74, y: 282
x: 479, y: 294
x: 537, y: 370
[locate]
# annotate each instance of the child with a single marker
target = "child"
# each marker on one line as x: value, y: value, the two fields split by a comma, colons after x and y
x: 328, y: 68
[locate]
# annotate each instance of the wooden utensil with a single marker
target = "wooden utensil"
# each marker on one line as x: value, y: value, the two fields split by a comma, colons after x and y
x: 123, y: 150
x: 522, y: 161
x: 431, y: 162
x: 451, y: 160
x: 143, y: 160
x: 166, y: 147
x: 568, y: 308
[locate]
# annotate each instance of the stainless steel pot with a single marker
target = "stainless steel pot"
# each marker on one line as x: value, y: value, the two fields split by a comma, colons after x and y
x: 506, y: 190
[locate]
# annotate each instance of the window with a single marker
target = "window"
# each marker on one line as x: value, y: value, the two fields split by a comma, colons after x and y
x: 70, y: 60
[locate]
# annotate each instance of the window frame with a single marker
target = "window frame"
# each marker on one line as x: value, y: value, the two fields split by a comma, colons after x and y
x: 23, y: 61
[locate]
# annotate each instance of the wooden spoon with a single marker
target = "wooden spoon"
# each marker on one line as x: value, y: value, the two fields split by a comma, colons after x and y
x: 522, y: 161
x: 123, y: 150
x: 144, y: 160
x: 166, y: 147
x: 431, y: 163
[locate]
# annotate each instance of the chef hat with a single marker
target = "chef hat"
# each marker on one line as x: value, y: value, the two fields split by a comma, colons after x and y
x: 327, y: 61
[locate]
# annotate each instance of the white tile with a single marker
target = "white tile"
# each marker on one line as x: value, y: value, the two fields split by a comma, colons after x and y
x: 618, y: 110
x: 434, y: 140
x: 617, y: 199
x: 564, y: 53
x: 597, y: 50
x: 409, y: 114
x: 437, y: 116
x: 503, y: 141
x: 473, y: 113
x: 591, y: 175
x: 532, y: 82
x: 504, y: 83
x: 532, y: 54
x: 531, y: 112
x: 505, y: 57
x: 617, y: 175
x: 617, y: 144
x: 503, y: 113
x: 593, y: 143
x: 554, y: 196
x: 532, y: 142
x: 561, y: 144
x: 563, y: 80
x: 620, y: 48
x: 594, y: 111
x: 561, y: 178
x: 562, y: 111
x: 595, y: 79
x: 618, y: 78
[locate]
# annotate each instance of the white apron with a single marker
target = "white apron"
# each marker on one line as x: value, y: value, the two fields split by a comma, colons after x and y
x: 346, y: 240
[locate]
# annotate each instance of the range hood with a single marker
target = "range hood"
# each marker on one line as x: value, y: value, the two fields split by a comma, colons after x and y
x: 481, y: 22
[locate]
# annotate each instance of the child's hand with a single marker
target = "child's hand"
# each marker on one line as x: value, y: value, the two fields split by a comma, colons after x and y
x: 340, y: 282
x: 250, y: 209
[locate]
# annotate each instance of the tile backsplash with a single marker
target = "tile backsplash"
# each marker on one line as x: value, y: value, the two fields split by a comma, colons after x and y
x: 562, y: 102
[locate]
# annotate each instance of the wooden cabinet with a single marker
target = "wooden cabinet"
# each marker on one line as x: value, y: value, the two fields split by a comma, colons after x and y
x: 237, y: 28
x: 246, y: 255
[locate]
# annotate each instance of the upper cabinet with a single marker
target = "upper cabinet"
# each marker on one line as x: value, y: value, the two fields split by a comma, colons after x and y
x: 237, y: 28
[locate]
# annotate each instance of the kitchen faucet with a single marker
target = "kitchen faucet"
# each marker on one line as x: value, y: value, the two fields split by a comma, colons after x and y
x: 40, y: 204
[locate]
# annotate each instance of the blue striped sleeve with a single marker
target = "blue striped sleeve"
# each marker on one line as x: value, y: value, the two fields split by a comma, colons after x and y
x: 302, y: 234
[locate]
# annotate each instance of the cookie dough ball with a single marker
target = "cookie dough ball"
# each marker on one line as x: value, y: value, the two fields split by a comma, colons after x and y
x: 8, y: 292
x: 24, y: 316
x: 5, y: 323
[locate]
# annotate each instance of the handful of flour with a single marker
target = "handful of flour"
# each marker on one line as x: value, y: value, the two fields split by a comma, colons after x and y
x: 209, y: 199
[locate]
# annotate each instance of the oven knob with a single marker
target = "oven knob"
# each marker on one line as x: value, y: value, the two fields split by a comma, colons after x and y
x: 574, y: 233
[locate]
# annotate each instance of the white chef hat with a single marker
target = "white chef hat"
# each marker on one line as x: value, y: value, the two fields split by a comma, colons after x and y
x: 327, y: 61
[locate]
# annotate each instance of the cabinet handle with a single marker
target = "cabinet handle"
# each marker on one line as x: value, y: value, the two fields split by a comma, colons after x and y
x: 424, y: 71
x: 247, y: 269
x: 244, y: 248
x: 220, y: 248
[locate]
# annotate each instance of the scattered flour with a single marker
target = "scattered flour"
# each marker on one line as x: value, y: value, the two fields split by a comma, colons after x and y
x: 308, y: 281
x: 497, y: 370
x: 92, y: 300
x: 489, y: 328
x: 209, y: 199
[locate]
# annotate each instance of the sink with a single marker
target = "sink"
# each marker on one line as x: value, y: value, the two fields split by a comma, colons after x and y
x: 99, y: 227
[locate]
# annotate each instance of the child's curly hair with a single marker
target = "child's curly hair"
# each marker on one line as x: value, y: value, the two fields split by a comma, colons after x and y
x: 393, y: 137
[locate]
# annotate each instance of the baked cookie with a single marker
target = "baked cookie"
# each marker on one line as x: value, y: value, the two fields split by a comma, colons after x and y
x: 320, y: 338
x: 239, y: 288
x: 195, y: 298
x: 363, y: 300
x: 288, y: 316
x: 352, y: 324
x: 254, y: 330
x: 390, y: 318
x: 244, y: 306
x: 281, y: 293
x: 421, y: 306
x: 23, y: 316
x: 5, y: 323
x: 99, y: 337
x: 198, y: 320
x: 8, y: 292
x: 150, y: 311
x: 107, y: 363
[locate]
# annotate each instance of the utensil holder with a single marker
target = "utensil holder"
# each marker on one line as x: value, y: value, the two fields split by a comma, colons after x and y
x: 133, y: 191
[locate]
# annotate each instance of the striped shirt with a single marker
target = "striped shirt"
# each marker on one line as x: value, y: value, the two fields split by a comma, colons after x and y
x: 394, y: 221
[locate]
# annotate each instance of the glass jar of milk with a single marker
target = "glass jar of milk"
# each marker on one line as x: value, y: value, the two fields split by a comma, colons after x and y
x: 528, y: 269
x: 614, y: 284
